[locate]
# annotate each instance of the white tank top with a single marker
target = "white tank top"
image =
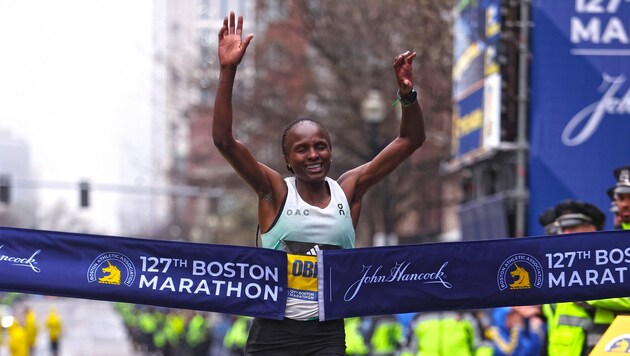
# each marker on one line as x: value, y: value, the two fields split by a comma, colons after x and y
x: 301, y: 229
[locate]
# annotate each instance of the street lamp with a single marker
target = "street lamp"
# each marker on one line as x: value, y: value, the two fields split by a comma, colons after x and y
x: 373, y: 107
x: 373, y: 112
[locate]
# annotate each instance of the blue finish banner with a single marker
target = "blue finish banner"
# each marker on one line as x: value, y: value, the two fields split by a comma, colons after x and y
x: 473, y: 274
x: 580, y: 102
x: 219, y: 278
x: 354, y: 282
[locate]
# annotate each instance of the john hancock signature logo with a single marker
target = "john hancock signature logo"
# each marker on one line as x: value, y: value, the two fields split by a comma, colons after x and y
x: 29, y: 262
x: 398, y: 273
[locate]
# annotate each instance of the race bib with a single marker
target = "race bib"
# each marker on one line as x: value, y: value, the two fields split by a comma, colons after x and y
x: 302, y: 272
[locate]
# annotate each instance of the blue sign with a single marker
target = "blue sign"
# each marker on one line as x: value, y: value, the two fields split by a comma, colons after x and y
x: 580, y: 102
x: 473, y: 274
x: 476, y: 78
x: 353, y: 282
x: 227, y: 279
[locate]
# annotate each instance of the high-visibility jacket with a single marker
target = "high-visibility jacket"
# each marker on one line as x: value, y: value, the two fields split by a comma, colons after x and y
x: 567, y: 324
x: 127, y: 313
x: 18, y: 345
x: 53, y: 323
x: 605, y: 311
x: 148, y: 322
x: 174, y: 327
x: 30, y: 326
x: 355, y: 342
x: 236, y: 336
x: 197, y: 331
x: 444, y: 334
x: 386, y: 336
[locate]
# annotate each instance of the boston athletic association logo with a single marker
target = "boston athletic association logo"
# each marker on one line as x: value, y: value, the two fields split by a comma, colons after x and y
x: 112, y: 274
x: 619, y: 344
x: 520, y: 271
x: 112, y: 268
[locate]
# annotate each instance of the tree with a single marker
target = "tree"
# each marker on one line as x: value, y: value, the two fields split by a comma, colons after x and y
x: 341, y: 49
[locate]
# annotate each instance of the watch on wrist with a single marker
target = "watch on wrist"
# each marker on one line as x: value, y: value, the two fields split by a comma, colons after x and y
x: 408, y: 99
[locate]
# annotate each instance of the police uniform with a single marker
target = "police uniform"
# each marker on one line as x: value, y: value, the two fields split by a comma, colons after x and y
x: 574, y: 328
x: 386, y: 335
x: 444, y: 334
x: 301, y: 230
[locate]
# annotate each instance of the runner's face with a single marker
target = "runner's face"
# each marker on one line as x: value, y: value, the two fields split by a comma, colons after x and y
x: 308, y: 151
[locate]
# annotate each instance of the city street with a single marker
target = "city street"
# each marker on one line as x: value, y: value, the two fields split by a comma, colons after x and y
x: 89, y: 327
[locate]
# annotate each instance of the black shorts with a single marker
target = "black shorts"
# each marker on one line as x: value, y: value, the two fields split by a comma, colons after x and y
x: 292, y: 337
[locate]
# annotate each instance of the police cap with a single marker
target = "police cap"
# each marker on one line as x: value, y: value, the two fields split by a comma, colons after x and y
x: 622, y: 176
x: 548, y: 220
x: 574, y: 212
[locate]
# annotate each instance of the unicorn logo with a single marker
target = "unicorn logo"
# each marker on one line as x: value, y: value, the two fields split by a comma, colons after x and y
x: 112, y: 275
x: 522, y: 278
x: 520, y: 271
x: 112, y: 268
x: 620, y: 344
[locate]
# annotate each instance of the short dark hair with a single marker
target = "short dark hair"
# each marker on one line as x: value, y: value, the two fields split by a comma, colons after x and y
x: 293, y: 123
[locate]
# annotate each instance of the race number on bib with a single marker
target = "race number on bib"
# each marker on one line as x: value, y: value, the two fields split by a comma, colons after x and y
x: 302, y: 272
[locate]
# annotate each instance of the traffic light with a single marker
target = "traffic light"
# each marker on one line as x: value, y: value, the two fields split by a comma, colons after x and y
x: 84, y: 194
x: 5, y: 189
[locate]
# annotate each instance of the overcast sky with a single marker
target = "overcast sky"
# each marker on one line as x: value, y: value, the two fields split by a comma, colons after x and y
x: 75, y: 83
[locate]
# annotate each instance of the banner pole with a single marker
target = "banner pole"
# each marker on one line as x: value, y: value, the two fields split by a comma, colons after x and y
x: 522, y: 146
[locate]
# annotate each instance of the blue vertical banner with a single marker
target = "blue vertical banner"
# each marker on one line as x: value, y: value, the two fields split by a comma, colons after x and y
x: 476, y: 78
x: 580, y: 101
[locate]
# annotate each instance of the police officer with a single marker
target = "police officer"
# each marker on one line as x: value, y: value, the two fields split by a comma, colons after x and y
x: 236, y: 336
x: 622, y: 195
x: 198, y: 336
x: 386, y: 335
x: 613, y: 208
x: 571, y: 216
x: 355, y: 341
x: 574, y: 328
x: 444, y: 334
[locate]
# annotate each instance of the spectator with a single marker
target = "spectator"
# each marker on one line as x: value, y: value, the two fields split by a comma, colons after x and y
x: 30, y: 326
x: 18, y: 340
x: 55, y: 327
x: 516, y: 331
